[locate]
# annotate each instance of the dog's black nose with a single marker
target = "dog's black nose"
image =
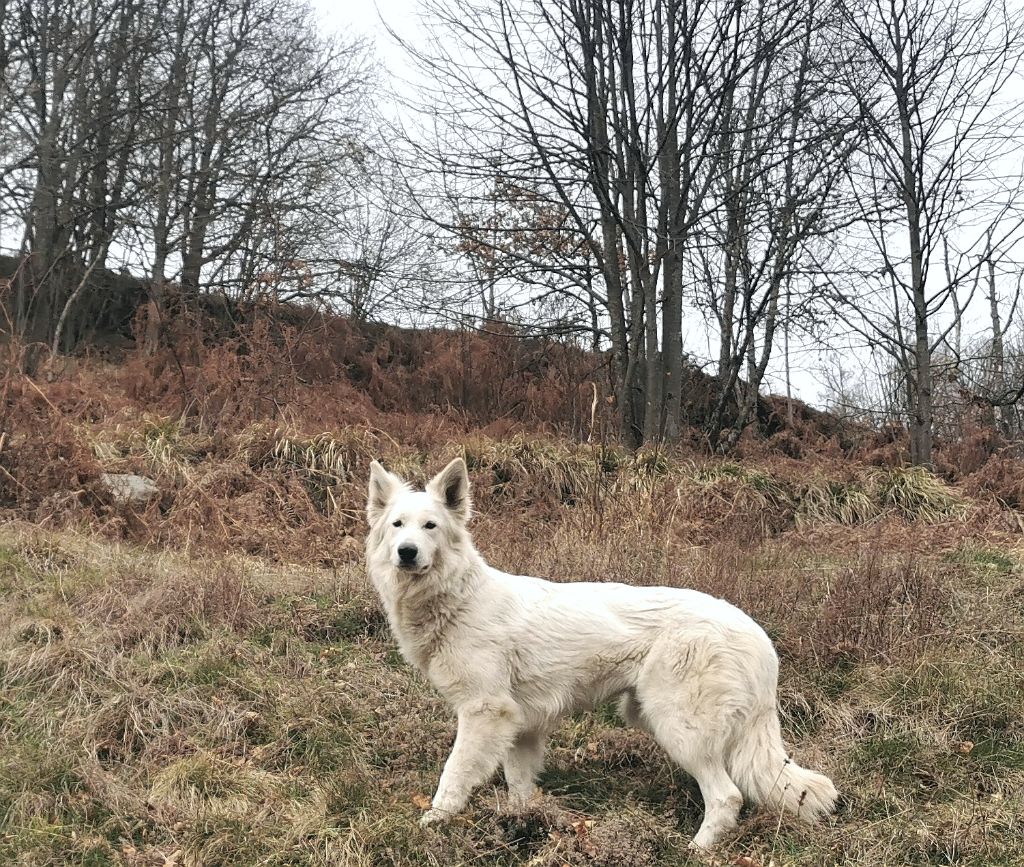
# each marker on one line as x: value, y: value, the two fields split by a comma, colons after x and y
x: 407, y: 553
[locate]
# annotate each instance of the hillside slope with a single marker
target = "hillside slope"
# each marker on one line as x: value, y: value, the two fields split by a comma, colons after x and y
x: 205, y: 679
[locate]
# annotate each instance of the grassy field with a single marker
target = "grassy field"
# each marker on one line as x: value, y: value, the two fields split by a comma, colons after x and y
x: 211, y: 682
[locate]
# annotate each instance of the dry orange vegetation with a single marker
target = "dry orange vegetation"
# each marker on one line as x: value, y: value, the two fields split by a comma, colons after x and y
x: 207, y: 680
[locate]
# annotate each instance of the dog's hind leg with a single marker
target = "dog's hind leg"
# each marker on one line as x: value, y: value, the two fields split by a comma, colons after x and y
x: 523, y: 763
x: 697, y: 753
x: 631, y: 710
x: 689, y: 700
x: 487, y: 730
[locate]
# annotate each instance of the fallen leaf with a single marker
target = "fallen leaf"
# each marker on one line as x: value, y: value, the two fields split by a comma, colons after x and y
x: 582, y: 829
x: 422, y: 801
x: 965, y: 747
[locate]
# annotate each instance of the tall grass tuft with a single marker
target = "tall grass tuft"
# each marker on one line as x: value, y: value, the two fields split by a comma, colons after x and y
x: 750, y: 483
x: 535, y: 465
x: 324, y: 462
x: 163, y: 446
x: 915, y: 494
x: 827, y: 501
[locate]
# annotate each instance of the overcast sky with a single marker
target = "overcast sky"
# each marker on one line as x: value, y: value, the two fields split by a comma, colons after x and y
x: 363, y: 17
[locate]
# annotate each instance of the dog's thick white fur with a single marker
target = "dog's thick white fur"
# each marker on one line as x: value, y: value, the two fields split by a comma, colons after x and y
x: 512, y: 654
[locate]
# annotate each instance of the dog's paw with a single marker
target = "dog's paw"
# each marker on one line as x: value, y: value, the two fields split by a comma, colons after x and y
x: 432, y: 817
x: 520, y: 799
x: 701, y: 847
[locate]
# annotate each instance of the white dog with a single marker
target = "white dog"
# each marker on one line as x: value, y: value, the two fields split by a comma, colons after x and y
x: 512, y: 654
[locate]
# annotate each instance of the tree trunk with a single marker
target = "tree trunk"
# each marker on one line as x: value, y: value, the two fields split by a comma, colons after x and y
x: 921, y: 418
x: 672, y: 273
x: 1005, y: 423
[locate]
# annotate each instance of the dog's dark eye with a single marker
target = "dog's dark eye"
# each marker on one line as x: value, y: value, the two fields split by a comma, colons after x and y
x: 429, y: 525
x: 397, y: 524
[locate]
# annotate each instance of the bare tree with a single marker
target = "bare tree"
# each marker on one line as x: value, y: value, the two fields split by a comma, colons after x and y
x: 927, y: 75
x: 613, y: 112
x: 785, y: 146
x: 72, y: 88
x: 195, y: 139
x: 264, y: 107
x: 379, y: 261
x: 986, y: 372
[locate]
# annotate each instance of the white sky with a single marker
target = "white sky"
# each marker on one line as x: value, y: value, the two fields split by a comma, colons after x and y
x: 363, y: 18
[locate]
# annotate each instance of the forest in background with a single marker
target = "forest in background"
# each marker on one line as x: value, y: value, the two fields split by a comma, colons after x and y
x: 844, y: 175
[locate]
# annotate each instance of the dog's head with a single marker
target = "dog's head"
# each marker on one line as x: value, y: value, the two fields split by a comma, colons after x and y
x: 411, y: 530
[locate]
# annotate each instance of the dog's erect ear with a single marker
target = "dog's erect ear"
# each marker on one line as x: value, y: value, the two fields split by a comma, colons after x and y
x: 383, y: 486
x: 451, y: 487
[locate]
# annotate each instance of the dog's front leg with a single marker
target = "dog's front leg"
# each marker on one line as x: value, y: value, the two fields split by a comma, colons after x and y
x: 486, y: 731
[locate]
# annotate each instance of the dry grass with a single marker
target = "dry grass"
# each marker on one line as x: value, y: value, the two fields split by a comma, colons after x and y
x: 166, y: 706
x: 208, y: 681
x: 234, y: 491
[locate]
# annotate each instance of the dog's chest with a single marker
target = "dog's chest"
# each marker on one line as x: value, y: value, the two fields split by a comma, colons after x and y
x: 423, y: 632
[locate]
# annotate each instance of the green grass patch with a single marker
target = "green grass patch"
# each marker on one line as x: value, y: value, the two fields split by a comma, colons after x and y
x: 824, y: 501
x: 896, y: 756
x: 983, y: 560
x: 915, y: 494
x: 13, y: 568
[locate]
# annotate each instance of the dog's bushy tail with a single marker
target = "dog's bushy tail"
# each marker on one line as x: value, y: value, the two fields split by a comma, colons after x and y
x: 767, y: 776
